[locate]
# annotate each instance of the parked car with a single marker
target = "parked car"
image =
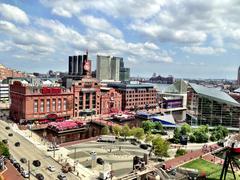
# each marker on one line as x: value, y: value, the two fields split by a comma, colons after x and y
x: 13, y: 161
x: 100, y: 161
x: 23, y: 160
x: 39, y: 176
x: 62, y: 176
x: 21, y: 170
x: 51, y: 168
x: 17, y: 144
x: 25, y: 174
x: 144, y: 146
x: 10, y: 134
x: 16, y: 165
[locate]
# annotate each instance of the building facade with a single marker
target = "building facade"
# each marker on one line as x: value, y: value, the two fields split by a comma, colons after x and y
x: 4, y: 92
x: 30, y: 102
x: 136, y: 96
x: 103, y: 67
x: 115, y: 68
x: 111, y: 68
x: 211, y: 106
x: 110, y: 101
x: 7, y: 72
x: 86, y: 97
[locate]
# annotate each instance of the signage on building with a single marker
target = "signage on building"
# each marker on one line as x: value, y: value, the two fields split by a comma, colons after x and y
x: 50, y: 90
x: 52, y: 116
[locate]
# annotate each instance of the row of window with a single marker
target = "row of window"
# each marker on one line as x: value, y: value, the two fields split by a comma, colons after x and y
x: 57, y: 105
x: 140, y: 103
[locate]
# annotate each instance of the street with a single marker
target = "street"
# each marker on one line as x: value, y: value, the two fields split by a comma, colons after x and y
x: 30, y: 152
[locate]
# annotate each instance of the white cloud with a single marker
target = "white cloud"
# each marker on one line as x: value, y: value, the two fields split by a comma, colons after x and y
x: 5, y: 46
x: 61, y: 12
x: 127, y: 8
x: 203, y: 50
x: 63, y: 33
x: 8, y: 27
x: 13, y: 13
x: 100, y: 24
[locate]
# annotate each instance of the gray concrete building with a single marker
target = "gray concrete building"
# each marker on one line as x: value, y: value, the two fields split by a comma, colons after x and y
x: 103, y: 67
x: 115, y: 68
x: 111, y: 68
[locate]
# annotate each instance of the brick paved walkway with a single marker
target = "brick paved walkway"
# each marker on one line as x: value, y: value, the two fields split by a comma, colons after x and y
x: 12, y: 173
x: 213, y: 159
x: 191, y: 155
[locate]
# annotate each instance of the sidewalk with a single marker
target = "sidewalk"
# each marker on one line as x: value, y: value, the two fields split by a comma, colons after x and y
x: 61, y: 155
x: 178, y: 161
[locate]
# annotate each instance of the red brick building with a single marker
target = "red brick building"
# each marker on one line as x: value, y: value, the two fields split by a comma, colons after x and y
x: 7, y: 72
x: 38, y: 103
x: 86, y: 96
x: 110, y: 100
x: 136, y: 96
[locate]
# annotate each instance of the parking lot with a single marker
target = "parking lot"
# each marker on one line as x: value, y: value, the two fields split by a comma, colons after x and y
x: 117, y: 156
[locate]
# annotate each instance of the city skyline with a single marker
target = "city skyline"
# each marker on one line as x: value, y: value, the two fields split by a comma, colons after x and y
x: 189, y: 39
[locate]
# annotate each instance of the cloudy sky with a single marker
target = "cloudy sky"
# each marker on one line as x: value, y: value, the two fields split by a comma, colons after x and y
x: 183, y: 38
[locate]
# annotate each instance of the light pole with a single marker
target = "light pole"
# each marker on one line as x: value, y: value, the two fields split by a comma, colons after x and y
x: 29, y: 169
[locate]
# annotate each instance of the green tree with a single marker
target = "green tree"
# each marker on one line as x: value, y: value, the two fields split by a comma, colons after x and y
x: 185, y: 129
x: 201, y: 136
x: 138, y: 133
x: 158, y: 126
x: 218, y: 133
x: 192, y: 138
x: 125, y: 131
x: 180, y: 152
x: 160, y: 147
x: 176, y: 136
x: 149, y: 137
x: 105, y: 130
x: 4, y: 150
x: 204, y: 128
x: 116, y: 130
x: 148, y: 126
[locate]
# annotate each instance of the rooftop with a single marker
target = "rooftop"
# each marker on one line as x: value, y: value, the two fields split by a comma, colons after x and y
x: 125, y: 85
x: 215, y: 94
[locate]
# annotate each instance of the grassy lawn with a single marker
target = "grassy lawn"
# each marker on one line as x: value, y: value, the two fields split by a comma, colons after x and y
x: 213, y: 171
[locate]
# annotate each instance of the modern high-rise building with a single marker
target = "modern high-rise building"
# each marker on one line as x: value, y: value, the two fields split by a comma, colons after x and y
x: 103, y: 67
x: 238, y: 76
x: 78, y: 66
x: 124, y: 74
x: 111, y: 68
x: 115, y: 68
x: 75, y: 64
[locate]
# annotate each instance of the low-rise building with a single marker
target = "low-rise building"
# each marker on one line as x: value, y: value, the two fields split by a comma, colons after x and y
x: 86, y: 96
x: 136, y: 96
x: 110, y: 101
x: 30, y: 102
x: 4, y: 92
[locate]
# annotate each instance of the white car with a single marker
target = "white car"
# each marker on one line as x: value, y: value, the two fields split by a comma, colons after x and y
x: 25, y: 174
x: 51, y: 168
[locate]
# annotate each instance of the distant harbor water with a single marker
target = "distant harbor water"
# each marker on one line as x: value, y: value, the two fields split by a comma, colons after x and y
x: 161, y: 87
